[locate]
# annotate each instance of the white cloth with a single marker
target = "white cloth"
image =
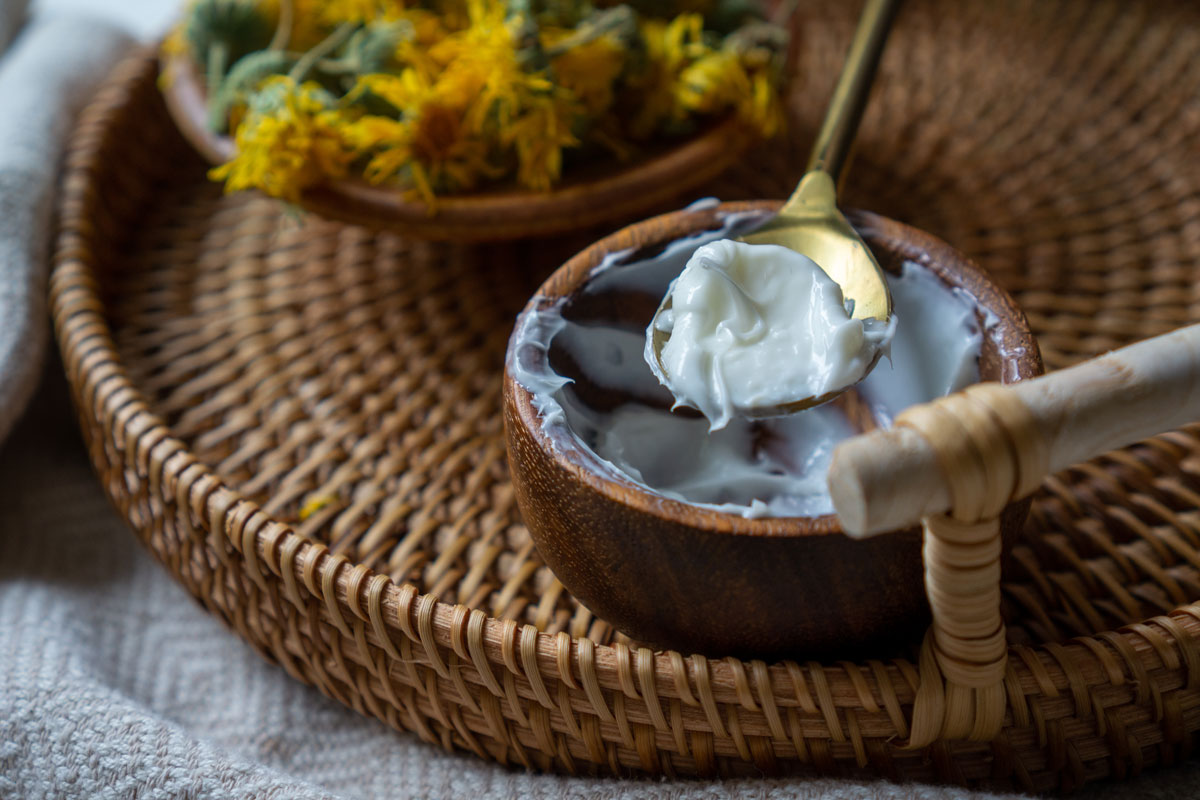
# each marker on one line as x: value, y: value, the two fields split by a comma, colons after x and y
x: 43, y: 81
x: 12, y: 17
x: 113, y: 682
x: 146, y: 19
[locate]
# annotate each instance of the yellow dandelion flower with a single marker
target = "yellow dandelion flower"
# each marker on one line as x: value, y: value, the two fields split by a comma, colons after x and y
x: 712, y: 83
x: 588, y: 70
x: 720, y: 81
x: 174, y: 46
x: 389, y: 141
x: 431, y: 140
x: 441, y: 145
x: 312, y: 20
x: 308, y: 26
x: 685, y: 77
x: 474, y: 98
x: 468, y: 103
x: 428, y: 26
x: 482, y: 72
x: 428, y: 30
x: 486, y: 38
x: 287, y: 142
x: 539, y: 136
x: 454, y: 14
x: 654, y: 85
x: 683, y: 41
x: 403, y: 91
x: 335, y: 12
x: 237, y: 113
x: 764, y: 108
x: 525, y: 111
x: 176, y: 43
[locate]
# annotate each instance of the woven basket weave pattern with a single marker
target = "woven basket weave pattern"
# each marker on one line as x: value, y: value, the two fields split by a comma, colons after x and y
x: 242, y: 378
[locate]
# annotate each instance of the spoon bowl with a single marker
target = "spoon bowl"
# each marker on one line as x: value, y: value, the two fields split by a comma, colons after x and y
x: 672, y: 574
x: 811, y: 224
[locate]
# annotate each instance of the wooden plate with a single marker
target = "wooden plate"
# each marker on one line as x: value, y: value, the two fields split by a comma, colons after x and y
x: 592, y: 195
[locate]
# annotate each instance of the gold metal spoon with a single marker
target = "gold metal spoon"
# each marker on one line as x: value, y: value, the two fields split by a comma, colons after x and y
x: 810, y: 222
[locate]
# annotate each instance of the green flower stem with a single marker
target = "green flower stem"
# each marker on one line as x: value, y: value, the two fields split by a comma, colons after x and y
x: 351, y: 65
x: 604, y: 23
x: 218, y: 58
x: 243, y: 77
x: 283, y: 31
x: 331, y: 42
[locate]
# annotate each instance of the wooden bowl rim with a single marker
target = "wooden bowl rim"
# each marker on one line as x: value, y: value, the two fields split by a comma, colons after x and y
x: 911, y: 244
x: 572, y: 203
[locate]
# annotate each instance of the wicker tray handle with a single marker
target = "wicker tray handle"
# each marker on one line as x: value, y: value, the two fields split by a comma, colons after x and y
x: 956, y: 462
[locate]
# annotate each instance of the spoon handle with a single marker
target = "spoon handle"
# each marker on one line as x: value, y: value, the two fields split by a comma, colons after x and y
x: 853, y: 86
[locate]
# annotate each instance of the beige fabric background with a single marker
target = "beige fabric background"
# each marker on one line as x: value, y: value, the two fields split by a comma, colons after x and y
x: 114, y: 683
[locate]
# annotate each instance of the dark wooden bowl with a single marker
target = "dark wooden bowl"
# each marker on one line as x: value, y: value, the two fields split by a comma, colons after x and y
x: 603, y: 192
x: 688, y: 578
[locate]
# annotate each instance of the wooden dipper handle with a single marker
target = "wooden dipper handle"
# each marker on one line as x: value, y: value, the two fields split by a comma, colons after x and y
x: 888, y: 480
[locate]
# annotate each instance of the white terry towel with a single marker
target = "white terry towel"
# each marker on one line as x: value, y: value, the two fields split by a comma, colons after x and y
x: 47, y: 74
x: 12, y: 16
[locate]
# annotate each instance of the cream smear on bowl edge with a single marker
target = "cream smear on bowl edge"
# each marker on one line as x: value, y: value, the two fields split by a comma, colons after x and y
x: 619, y: 421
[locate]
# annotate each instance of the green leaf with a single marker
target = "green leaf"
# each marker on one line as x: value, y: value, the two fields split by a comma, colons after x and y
x: 242, y: 80
x: 371, y: 49
x: 237, y: 25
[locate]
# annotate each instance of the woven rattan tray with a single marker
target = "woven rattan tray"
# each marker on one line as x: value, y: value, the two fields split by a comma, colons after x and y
x: 301, y: 421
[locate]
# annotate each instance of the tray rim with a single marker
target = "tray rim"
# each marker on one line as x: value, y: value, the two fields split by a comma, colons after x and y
x: 465, y: 645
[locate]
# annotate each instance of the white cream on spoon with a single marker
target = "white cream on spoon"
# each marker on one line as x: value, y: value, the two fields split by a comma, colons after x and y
x: 755, y: 327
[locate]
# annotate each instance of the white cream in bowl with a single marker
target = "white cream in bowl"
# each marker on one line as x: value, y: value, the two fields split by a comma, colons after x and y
x: 582, y: 360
